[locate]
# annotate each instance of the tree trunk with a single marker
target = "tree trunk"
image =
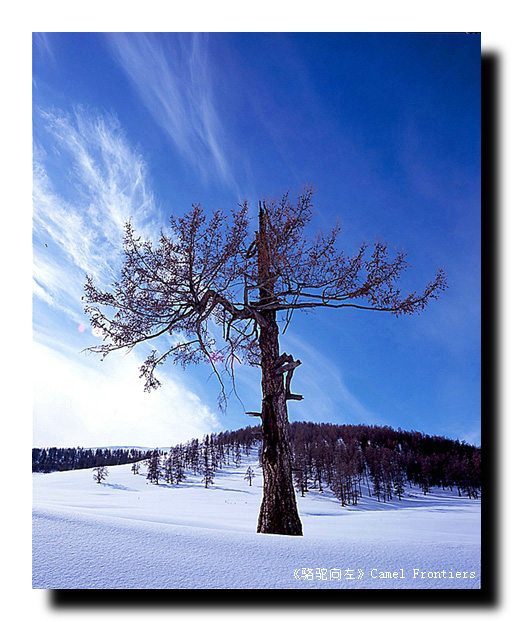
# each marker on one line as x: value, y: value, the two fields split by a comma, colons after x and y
x: 279, y: 513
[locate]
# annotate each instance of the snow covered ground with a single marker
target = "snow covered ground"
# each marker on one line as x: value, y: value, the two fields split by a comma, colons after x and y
x: 127, y: 533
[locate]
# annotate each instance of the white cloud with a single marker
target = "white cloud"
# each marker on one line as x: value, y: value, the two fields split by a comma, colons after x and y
x: 80, y: 401
x: 175, y: 85
x: 88, y: 182
x: 83, y: 233
x: 41, y: 42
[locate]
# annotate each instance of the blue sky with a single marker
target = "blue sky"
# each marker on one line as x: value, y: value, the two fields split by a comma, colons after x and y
x: 387, y: 129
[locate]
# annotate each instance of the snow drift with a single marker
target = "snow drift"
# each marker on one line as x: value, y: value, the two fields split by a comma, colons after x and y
x: 128, y: 533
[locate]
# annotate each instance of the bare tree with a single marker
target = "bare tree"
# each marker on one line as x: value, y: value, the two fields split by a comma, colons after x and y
x: 220, y: 293
x: 249, y: 475
x: 100, y: 473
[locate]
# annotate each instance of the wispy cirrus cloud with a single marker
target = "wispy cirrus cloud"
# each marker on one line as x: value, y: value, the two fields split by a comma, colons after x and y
x: 41, y: 42
x: 88, y: 181
x: 172, y: 75
x: 95, y: 184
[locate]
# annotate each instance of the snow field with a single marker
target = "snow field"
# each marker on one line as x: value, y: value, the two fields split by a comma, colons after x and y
x: 128, y: 533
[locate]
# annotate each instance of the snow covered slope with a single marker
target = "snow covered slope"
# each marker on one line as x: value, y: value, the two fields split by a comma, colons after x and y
x: 127, y: 533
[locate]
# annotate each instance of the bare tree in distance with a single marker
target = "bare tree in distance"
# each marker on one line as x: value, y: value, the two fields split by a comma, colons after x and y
x: 100, y: 473
x: 249, y: 475
x: 221, y: 292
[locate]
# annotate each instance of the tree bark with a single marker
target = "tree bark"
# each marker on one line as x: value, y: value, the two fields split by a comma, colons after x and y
x: 278, y: 513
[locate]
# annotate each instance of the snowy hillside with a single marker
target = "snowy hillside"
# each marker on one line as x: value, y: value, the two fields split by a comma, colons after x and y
x: 128, y: 533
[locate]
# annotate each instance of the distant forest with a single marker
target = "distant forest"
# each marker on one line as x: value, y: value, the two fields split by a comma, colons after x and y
x: 46, y: 460
x: 350, y: 460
